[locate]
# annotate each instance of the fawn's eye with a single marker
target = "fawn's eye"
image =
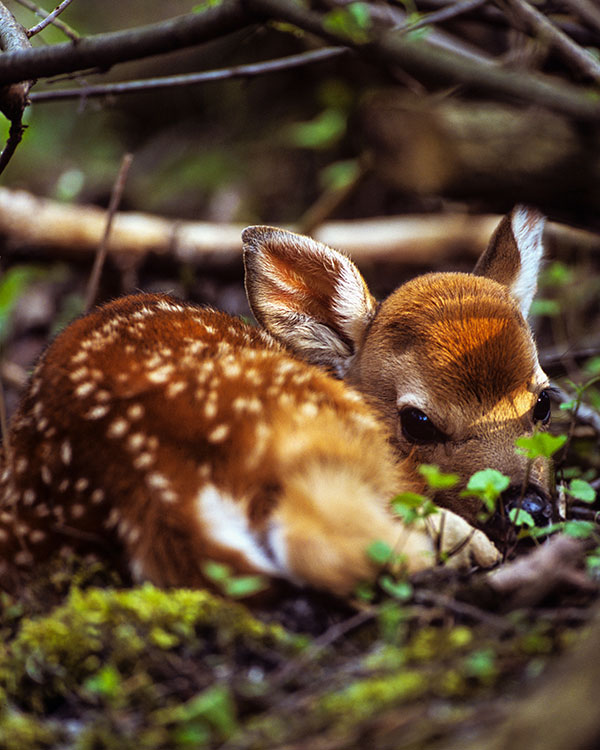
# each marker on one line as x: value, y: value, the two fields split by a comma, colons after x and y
x: 541, y: 410
x: 418, y: 428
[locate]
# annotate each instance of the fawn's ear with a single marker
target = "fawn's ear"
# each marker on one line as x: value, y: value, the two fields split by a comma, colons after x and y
x: 308, y: 296
x: 514, y: 254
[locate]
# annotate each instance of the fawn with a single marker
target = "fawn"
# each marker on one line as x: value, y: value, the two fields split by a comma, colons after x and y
x: 162, y: 435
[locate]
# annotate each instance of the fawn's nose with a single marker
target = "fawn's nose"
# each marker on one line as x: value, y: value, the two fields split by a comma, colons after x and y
x: 535, y: 502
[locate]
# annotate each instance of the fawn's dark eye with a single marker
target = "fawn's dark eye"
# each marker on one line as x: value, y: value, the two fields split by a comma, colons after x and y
x: 418, y: 428
x: 541, y: 410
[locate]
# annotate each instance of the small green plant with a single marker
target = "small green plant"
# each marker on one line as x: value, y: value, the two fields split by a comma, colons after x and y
x: 353, y: 22
x: 235, y: 587
x: 540, y: 444
x: 487, y: 485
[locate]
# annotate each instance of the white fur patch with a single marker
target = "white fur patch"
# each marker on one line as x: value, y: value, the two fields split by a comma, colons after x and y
x: 226, y: 522
x: 528, y: 228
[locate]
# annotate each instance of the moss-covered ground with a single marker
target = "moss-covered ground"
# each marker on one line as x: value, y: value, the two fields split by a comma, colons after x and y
x: 87, y: 663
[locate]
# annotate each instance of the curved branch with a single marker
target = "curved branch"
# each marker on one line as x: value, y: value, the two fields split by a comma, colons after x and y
x: 421, y: 59
x: 188, y: 79
x: 105, y: 50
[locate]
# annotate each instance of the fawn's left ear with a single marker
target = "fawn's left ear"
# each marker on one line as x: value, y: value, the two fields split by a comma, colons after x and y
x: 307, y: 295
x: 514, y: 255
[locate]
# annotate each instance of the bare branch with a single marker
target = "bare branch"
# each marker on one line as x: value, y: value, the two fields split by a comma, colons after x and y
x: 13, y: 98
x: 452, y: 10
x: 115, y: 199
x: 189, y: 79
x: 50, y: 18
x: 589, y: 12
x: 442, y: 66
x: 106, y: 50
x: 570, y: 50
x: 60, y: 25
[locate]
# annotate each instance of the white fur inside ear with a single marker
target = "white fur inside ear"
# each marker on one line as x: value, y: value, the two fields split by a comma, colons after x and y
x: 528, y: 228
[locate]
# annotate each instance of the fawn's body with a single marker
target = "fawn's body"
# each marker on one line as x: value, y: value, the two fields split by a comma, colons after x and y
x: 168, y: 435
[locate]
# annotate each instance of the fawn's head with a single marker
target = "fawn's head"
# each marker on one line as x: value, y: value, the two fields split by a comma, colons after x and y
x: 447, y: 360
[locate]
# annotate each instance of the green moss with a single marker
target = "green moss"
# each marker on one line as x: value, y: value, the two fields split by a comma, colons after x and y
x: 365, y: 697
x: 19, y: 731
x: 100, y: 636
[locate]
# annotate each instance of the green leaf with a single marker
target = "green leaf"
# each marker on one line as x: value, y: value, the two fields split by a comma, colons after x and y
x: 520, y: 517
x: 13, y: 284
x: 568, y: 405
x: 244, y: 586
x: 580, y: 529
x: 540, y: 444
x: 409, y: 500
x: 436, y: 479
x: 340, y: 174
x: 353, y: 22
x: 401, y: 590
x: 582, y: 490
x: 556, y: 274
x: 488, y: 485
x: 106, y: 682
x: 205, y: 5
x: 216, y: 571
x: 324, y: 131
x: 592, y: 366
x: 380, y: 552
x: 548, y: 307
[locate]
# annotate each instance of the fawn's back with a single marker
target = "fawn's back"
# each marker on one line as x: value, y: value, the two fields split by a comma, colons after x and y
x: 167, y: 435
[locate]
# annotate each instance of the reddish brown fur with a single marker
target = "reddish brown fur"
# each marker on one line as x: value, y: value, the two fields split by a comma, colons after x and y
x: 146, y: 409
x: 454, y: 346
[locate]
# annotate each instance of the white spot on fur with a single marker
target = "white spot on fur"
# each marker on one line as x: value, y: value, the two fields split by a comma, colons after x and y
x: 135, y: 411
x: 65, y: 452
x: 97, y: 497
x: 46, y: 474
x: 161, y: 375
x: 117, y: 428
x: 173, y: 389
x: 219, y: 434
x: 82, y: 484
x: 157, y: 480
x: 77, y: 510
x: 143, y: 461
x: 227, y: 524
x: 96, y: 412
x: 37, y: 536
x: 84, y: 389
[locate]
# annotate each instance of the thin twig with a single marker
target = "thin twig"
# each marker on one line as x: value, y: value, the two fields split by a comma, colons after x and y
x: 570, y: 50
x: 588, y: 11
x: 332, y: 634
x: 463, y: 609
x: 188, y: 79
x: 444, y: 14
x: 49, y: 18
x: 60, y: 25
x: 115, y: 199
x: 437, y: 65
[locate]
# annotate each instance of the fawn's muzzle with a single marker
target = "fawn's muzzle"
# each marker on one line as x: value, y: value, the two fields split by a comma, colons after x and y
x: 533, y: 501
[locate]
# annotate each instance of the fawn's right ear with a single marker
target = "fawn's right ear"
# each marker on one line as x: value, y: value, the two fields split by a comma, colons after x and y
x: 308, y: 296
x: 514, y: 255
